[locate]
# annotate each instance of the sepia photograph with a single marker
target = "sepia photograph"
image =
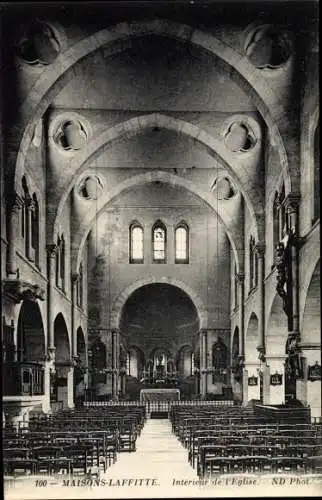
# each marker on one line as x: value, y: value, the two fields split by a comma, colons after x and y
x: 160, y: 249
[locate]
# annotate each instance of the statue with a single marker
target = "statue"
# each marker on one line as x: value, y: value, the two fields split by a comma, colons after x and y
x: 280, y: 263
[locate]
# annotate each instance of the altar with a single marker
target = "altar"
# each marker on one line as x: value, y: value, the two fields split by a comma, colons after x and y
x: 159, y: 395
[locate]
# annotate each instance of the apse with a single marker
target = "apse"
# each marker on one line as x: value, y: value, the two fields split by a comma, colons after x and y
x: 159, y: 316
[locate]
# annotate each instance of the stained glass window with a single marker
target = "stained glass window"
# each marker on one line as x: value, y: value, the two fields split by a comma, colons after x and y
x: 159, y: 243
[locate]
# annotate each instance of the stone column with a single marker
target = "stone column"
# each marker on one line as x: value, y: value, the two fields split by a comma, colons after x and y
x: 260, y: 250
x: 276, y: 393
x: 241, y: 295
x: 291, y: 205
x: 203, y: 362
x: 75, y: 278
x: 49, y: 368
x: 16, y: 203
x: 70, y: 386
x: 265, y: 381
x: 115, y: 363
x: 51, y: 263
x: 28, y: 228
x: 251, y: 391
x: 308, y: 391
x: 46, y: 407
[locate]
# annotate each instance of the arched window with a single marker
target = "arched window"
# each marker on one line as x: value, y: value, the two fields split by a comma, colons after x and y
x: 136, y: 244
x: 316, y: 194
x: 35, y: 228
x: 182, y: 244
x: 159, y: 241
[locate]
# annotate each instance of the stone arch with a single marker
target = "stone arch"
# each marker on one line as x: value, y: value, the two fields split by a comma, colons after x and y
x: 30, y: 333
x: 252, y: 339
x: 277, y: 328
x: 60, y: 72
x: 61, y: 340
x: 311, y: 322
x: 122, y: 298
x: 135, y: 125
x: 165, y: 177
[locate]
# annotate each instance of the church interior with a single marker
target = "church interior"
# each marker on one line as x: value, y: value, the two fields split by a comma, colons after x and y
x: 160, y: 236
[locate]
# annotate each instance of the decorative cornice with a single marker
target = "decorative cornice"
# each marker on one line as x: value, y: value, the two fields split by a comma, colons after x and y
x: 311, y: 346
x: 18, y: 290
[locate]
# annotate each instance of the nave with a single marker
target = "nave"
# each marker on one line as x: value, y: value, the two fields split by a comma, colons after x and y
x: 118, y: 450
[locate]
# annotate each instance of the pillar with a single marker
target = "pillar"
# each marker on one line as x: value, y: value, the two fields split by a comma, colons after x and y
x: 28, y: 227
x: 275, y: 394
x: 123, y: 380
x: 251, y: 371
x: 75, y: 278
x: 51, y: 262
x: 13, y: 234
x: 291, y: 205
x: 260, y: 250
x: 308, y: 391
x: 241, y: 295
x: 70, y: 387
x: 46, y: 407
x: 203, y: 362
x: 70, y: 376
x: 115, y: 362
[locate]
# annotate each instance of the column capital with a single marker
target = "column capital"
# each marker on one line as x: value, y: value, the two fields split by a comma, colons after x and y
x: 260, y: 248
x: 51, y: 249
x: 292, y: 201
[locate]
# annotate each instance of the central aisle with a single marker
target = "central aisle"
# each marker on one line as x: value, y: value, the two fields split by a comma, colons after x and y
x: 158, y: 454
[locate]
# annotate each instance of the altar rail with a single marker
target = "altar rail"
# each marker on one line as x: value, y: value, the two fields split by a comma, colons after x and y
x: 160, y: 405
